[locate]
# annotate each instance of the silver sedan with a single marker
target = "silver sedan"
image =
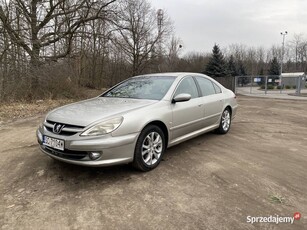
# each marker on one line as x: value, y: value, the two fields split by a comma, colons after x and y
x: 136, y: 120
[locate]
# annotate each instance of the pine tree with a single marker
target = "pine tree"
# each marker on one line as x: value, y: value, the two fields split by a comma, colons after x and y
x: 216, y: 65
x: 242, y: 72
x: 231, y: 65
x: 274, y: 67
x: 241, y: 69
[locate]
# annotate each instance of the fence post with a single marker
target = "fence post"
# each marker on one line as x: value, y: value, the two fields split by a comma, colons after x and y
x: 266, y: 85
x: 281, y: 86
x: 298, y: 85
x: 236, y: 84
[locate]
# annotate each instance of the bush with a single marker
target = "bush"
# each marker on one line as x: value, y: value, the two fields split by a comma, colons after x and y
x: 288, y: 87
x: 294, y: 87
x: 268, y: 87
x: 271, y: 87
x: 54, y: 81
x: 278, y: 87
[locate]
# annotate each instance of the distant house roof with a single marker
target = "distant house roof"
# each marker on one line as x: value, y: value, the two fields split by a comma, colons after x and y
x: 298, y: 74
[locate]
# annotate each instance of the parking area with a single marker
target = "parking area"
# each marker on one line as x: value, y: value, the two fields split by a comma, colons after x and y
x: 210, y: 182
x: 275, y: 94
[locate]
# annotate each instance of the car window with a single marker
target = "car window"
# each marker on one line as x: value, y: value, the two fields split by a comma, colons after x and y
x: 217, y: 88
x: 206, y: 86
x: 149, y: 87
x: 187, y: 85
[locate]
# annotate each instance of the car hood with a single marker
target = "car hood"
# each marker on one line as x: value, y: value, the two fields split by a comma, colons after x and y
x: 86, y: 112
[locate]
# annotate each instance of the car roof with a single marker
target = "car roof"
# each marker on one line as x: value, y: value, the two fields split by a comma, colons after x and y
x: 180, y: 75
x: 171, y: 74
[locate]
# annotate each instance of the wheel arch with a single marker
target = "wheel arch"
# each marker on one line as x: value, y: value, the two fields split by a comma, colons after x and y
x: 163, y: 127
x: 230, y: 109
x: 138, y: 161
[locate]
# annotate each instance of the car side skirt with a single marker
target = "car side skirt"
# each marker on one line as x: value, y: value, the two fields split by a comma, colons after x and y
x: 192, y: 135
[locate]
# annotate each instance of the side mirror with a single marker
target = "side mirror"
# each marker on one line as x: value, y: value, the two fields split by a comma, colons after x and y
x: 181, y: 97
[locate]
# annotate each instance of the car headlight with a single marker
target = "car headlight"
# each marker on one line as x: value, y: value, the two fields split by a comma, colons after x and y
x: 104, y: 127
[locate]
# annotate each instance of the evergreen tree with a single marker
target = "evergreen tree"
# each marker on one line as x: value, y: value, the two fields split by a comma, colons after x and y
x: 274, y: 67
x: 242, y: 72
x: 231, y: 65
x: 241, y: 69
x: 216, y: 66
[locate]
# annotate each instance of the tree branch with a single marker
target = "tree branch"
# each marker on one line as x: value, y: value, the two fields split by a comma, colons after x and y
x: 12, y: 33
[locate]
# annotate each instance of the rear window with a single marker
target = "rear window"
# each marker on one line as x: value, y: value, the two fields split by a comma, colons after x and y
x: 206, y: 86
x: 217, y: 88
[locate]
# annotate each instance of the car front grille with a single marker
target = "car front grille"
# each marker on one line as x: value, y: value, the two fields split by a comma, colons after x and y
x: 67, y: 130
x: 67, y: 154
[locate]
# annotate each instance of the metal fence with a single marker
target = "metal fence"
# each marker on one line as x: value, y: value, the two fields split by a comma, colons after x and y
x: 228, y: 82
x: 270, y: 84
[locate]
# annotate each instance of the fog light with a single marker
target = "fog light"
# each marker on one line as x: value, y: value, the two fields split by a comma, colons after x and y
x: 94, y: 155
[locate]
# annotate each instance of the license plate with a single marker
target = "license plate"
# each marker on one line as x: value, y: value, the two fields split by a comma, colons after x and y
x: 54, y: 143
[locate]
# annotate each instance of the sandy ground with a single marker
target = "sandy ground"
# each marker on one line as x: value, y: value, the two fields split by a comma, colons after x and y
x: 211, y: 182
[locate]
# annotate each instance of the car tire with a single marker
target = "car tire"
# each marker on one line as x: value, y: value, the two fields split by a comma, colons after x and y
x: 225, y: 122
x: 149, y: 148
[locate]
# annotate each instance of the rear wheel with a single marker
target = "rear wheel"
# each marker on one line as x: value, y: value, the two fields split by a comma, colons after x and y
x: 149, y: 148
x: 225, y: 122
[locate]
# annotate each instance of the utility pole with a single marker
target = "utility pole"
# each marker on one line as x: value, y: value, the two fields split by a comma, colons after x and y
x: 283, y: 34
x: 160, y: 18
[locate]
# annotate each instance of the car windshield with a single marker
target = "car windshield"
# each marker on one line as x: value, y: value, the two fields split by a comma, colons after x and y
x: 147, y: 87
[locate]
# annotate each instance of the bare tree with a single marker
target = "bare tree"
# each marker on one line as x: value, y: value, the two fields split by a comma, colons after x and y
x: 47, y: 22
x: 299, y: 51
x: 173, y: 50
x: 138, y: 33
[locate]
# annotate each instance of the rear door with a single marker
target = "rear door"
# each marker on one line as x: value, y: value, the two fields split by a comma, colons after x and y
x: 213, y: 100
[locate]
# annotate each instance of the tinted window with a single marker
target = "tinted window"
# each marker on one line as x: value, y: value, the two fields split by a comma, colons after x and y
x: 152, y: 87
x: 217, y: 88
x: 206, y: 86
x: 187, y: 85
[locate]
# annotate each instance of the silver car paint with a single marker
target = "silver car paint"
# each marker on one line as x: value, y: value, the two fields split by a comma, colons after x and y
x: 89, y: 111
x: 203, y: 115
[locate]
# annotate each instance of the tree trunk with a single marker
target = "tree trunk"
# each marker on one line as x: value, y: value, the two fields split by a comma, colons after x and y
x: 34, y: 67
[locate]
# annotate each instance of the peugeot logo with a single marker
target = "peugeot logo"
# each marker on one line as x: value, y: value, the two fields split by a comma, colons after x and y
x: 57, y: 128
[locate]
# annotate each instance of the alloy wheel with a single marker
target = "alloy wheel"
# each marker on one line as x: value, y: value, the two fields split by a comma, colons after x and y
x: 226, y: 120
x: 152, y: 148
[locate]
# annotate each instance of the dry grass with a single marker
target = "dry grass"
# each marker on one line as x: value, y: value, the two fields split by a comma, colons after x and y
x: 13, y: 111
x: 17, y: 110
x: 276, y: 198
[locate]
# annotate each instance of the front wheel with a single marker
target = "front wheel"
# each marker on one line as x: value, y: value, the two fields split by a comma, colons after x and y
x: 149, y: 148
x: 225, y: 122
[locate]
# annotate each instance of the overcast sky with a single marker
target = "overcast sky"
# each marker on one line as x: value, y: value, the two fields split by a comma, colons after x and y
x: 202, y: 23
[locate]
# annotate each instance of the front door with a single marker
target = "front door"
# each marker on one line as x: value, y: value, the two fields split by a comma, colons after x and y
x: 187, y: 116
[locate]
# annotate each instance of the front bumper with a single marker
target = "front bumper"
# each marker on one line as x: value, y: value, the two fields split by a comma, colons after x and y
x: 114, y: 150
x: 234, y: 111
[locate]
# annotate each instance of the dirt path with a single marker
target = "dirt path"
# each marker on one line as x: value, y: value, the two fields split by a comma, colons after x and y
x: 211, y: 182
